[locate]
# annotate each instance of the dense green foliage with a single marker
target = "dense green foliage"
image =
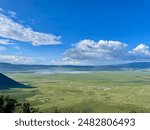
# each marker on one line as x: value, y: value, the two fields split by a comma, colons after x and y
x: 10, y: 105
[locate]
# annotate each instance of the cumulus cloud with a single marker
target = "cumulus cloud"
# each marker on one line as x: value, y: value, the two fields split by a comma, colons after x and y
x: 141, y: 50
x: 9, y: 29
x: 89, y: 51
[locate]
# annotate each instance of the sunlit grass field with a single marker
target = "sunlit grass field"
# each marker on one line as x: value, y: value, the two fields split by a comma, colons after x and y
x: 114, y: 91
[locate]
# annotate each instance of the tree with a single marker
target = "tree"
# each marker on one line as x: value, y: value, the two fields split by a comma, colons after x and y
x: 26, y: 108
x: 10, y: 105
x: 7, y: 105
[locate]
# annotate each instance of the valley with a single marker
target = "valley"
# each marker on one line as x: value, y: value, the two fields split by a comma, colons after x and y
x: 98, y: 91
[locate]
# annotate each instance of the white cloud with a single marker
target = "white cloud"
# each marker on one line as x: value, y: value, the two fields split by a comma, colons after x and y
x: 12, y: 14
x: 1, y: 10
x: 5, y: 41
x: 17, y: 47
x: 16, y: 59
x: 89, y: 51
x: 2, y: 48
x: 12, y: 30
x: 141, y: 50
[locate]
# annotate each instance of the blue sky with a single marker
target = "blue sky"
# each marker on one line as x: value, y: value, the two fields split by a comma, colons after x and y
x: 74, y: 31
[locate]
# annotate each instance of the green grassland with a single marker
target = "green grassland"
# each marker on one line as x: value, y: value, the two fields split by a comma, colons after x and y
x: 114, y: 91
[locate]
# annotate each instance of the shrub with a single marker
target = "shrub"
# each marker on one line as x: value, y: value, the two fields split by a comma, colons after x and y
x: 10, y: 105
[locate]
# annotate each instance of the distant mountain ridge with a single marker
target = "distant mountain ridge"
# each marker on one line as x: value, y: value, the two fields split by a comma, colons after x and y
x: 6, y: 67
x: 7, y: 83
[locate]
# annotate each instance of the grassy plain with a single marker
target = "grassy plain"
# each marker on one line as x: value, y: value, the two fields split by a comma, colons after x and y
x: 114, y: 91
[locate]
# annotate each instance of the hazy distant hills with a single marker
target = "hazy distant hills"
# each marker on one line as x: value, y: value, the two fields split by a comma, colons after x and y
x: 7, y: 83
x: 6, y: 67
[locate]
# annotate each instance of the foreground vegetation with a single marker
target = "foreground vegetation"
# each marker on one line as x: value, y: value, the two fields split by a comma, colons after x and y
x: 116, y: 91
x: 10, y: 105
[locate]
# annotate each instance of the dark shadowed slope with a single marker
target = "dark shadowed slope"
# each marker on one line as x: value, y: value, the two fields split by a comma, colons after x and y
x: 7, y: 83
